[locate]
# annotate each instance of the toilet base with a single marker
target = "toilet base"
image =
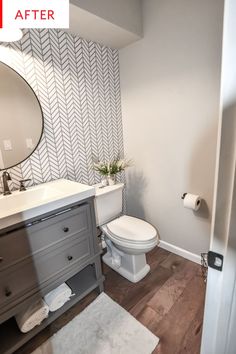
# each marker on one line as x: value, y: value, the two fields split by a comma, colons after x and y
x: 132, y: 267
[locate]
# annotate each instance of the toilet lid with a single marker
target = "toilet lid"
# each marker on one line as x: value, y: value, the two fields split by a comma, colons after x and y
x: 132, y: 229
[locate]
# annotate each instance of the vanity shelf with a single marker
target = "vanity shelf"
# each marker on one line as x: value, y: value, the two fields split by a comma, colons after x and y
x: 40, y: 254
x: 81, y: 284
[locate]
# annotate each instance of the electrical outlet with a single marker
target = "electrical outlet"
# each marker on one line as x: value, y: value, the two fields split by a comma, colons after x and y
x: 7, y: 145
x: 29, y: 143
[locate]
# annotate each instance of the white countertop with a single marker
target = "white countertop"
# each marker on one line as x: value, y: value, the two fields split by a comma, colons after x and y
x: 41, y: 199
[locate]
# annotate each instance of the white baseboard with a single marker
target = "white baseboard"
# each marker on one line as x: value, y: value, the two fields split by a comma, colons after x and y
x: 180, y: 252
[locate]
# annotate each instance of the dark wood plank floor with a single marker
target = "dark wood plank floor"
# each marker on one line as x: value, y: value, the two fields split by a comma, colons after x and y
x: 169, y: 301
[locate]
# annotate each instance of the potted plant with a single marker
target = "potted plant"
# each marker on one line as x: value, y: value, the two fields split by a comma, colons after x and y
x: 110, y: 169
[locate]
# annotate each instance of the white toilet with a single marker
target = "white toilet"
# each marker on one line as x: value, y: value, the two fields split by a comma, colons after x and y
x: 128, y: 239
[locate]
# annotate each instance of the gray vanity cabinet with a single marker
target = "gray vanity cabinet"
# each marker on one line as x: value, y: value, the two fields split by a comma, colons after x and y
x: 40, y: 254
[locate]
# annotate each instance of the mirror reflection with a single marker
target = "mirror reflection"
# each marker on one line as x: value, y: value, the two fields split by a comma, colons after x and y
x: 21, y: 120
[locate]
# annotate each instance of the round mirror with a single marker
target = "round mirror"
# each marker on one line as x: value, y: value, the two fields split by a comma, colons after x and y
x: 21, y: 118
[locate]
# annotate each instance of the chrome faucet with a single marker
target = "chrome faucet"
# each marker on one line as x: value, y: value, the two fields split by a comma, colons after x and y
x: 5, y: 178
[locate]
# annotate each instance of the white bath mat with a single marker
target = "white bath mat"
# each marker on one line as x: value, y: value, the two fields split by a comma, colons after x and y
x: 104, y: 327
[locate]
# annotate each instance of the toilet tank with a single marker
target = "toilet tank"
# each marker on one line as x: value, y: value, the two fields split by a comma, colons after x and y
x: 108, y: 203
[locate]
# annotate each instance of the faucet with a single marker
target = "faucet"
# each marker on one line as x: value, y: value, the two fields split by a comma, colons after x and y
x: 6, y: 177
x: 22, y: 184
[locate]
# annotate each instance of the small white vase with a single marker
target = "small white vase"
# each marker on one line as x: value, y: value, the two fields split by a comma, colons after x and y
x: 111, y: 179
x: 104, y: 182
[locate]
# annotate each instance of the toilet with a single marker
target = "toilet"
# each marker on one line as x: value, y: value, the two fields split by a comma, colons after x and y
x: 127, y: 238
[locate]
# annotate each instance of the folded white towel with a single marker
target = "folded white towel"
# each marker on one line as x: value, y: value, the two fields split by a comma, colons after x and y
x: 32, y: 316
x: 58, y: 297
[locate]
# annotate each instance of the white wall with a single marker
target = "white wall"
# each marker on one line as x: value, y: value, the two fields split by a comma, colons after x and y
x: 170, y: 82
x: 123, y: 13
x: 113, y: 23
x: 97, y: 29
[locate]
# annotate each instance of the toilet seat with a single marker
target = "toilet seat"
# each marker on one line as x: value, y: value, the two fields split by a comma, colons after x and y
x: 131, y: 231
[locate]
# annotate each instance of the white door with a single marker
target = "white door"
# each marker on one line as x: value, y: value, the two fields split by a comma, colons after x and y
x: 219, y: 328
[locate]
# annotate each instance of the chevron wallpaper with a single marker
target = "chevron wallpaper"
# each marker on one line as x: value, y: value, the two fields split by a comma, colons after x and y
x: 77, y: 83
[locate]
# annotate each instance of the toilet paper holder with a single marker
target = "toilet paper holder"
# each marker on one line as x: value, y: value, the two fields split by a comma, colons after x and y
x: 184, y: 195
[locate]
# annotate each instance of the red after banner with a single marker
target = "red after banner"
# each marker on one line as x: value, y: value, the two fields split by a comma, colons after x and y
x: 1, y: 13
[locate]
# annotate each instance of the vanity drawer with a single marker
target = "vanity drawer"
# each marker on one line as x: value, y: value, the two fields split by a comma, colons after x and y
x: 19, y: 244
x: 16, y: 282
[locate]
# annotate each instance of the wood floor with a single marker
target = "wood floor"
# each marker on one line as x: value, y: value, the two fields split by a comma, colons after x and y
x: 169, y: 301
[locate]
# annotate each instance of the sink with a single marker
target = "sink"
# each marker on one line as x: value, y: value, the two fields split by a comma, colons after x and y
x: 41, y: 199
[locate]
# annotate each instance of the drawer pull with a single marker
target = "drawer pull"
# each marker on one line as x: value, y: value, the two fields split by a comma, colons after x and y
x: 1, y: 259
x: 69, y: 258
x: 8, y: 292
x: 66, y: 229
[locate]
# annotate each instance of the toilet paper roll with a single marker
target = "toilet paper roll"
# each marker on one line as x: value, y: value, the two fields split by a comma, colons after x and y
x: 192, y: 201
